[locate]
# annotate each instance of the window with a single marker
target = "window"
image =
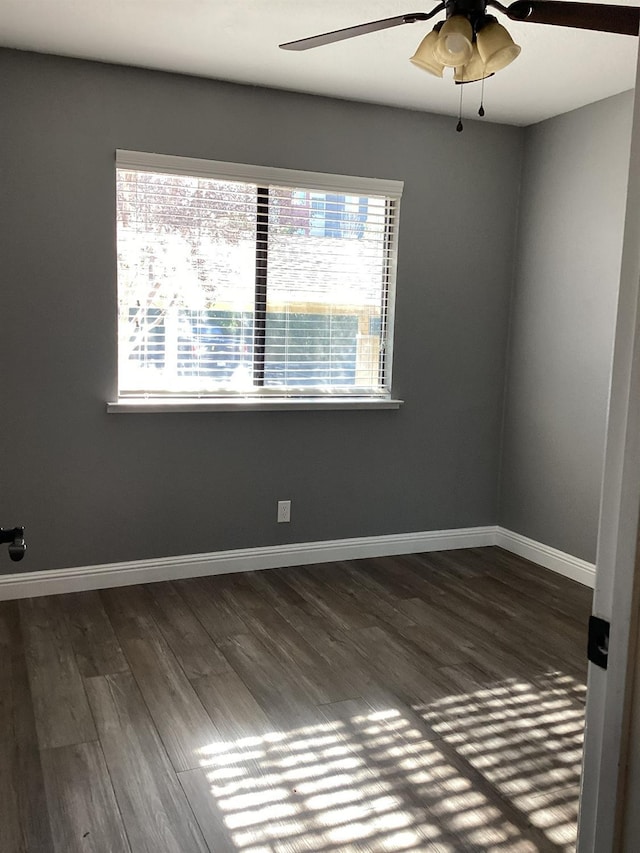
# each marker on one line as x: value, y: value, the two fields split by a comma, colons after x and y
x: 241, y: 281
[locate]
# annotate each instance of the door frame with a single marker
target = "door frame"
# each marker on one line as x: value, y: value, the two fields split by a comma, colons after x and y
x: 617, y: 570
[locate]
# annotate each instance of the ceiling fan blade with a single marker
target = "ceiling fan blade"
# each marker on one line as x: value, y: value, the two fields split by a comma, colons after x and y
x: 360, y: 29
x: 584, y: 16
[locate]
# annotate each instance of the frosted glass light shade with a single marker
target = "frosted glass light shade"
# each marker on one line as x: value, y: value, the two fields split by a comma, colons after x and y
x: 474, y: 70
x: 454, y: 46
x: 496, y: 47
x: 424, y: 57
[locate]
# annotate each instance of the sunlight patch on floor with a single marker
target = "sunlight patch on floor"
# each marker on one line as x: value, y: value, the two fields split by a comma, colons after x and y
x: 493, y: 769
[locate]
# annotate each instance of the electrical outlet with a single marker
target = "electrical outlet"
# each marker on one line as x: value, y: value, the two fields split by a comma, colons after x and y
x: 284, y: 511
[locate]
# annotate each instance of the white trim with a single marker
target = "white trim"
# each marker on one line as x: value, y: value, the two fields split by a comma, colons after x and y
x: 53, y: 581
x: 78, y: 578
x: 126, y: 405
x: 174, y: 165
x: 558, y: 561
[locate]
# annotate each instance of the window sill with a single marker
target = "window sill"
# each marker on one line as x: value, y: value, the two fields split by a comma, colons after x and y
x: 247, y: 404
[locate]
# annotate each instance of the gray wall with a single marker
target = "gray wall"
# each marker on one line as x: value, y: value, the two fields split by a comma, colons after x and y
x: 562, y: 324
x: 92, y: 487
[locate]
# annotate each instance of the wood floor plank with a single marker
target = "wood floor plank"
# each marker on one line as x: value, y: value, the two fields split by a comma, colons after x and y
x: 554, y: 632
x: 508, y: 646
x: 336, y: 608
x: 330, y: 642
x: 542, y: 584
x: 577, y: 596
x: 278, y: 692
x: 62, y: 712
x: 465, y: 605
x: 538, y: 648
x: 194, y: 649
x: 433, y: 571
x: 385, y: 702
x: 96, y: 648
x: 444, y: 643
x: 232, y: 707
x: 129, y: 610
x: 340, y: 654
x: 84, y: 814
x: 271, y: 586
x: 500, y: 593
x: 370, y: 596
x: 237, y: 590
x: 210, y: 817
x: 559, y: 613
x: 24, y: 818
x: 460, y: 564
x: 556, y: 813
x: 156, y: 814
x: 451, y: 617
x: 380, y: 740
x: 333, y: 644
x: 426, y: 578
x: 396, y: 574
x: 321, y: 681
x: 412, y: 676
x: 246, y: 792
x: 431, y: 574
x: 218, y: 617
x: 178, y: 714
x: 368, y: 574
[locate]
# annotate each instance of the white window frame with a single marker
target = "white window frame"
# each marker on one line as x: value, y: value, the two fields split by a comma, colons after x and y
x: 271, y: 399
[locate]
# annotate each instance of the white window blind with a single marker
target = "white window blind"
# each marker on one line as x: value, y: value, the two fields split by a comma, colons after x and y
x: 247, y: 281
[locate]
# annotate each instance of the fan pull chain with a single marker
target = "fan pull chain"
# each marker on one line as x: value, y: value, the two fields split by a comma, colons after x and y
x: 460, y: 126
x: 481, y: 110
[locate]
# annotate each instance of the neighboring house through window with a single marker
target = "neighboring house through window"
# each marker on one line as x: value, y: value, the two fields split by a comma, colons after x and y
x: 249, y: 281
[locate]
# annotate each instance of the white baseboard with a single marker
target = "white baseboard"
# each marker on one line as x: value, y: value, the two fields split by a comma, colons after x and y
x: 53, y: 581
x: 79, y: 578
x: 558, y: 561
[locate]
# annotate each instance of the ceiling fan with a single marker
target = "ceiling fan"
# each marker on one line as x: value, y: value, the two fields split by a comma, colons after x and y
x: 473, y: 43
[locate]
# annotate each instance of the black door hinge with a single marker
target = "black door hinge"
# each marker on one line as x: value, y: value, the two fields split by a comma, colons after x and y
x: 598, y: 644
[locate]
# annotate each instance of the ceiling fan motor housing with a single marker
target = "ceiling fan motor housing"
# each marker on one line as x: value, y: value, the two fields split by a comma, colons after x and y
x: 474, y: 10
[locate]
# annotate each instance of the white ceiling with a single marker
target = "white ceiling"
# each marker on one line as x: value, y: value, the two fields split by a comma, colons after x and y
x: 558, y: 70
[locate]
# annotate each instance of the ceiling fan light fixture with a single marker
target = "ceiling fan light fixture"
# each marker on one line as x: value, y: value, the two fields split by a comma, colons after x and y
x: 473, y: 71
x: 455, y: 42
x: 425, y: 57
x: 496, y: 47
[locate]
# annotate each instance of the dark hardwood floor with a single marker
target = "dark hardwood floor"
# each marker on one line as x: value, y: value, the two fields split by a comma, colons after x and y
x: 430, y: 702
